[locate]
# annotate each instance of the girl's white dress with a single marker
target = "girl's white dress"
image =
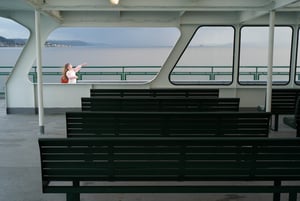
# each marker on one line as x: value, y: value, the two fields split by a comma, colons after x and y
x: 71, y: 74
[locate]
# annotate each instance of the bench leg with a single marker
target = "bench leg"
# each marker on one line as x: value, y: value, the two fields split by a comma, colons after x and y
x: 73, y: 197
x: 293, y: 196
x: 276, y: 122
x: 276, y: 196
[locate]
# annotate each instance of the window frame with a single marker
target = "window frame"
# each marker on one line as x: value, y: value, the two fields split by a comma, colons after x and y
x: 205, y: 82
x: 264, y: 83
x: 296, y: 59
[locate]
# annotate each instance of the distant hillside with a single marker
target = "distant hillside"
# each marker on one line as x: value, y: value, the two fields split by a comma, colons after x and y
x: 4, y: 42
x: 65, y: 43
x: 19, y: 42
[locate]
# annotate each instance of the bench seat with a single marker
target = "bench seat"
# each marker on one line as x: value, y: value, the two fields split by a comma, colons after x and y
x: 294, y: 121
x: 184, y: 124
x: 283, y: 102
x: 81, y: 165
x: 155, y: 92
x: 159, y: 104
x: 290, y: 121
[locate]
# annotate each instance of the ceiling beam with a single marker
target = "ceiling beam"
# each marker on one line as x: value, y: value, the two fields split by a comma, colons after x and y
x: 54, y: 14
x: 154, y: 5
x: 273, y: 5
x: 283, y: 3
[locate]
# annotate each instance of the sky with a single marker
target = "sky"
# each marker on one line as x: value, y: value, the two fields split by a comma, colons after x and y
x: 11, y: 29
x: 119, y: 36
x: 105, y: 36
x: 151, y: 37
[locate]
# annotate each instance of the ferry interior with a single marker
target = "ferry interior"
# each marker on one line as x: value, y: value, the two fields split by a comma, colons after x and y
x: 186, y: 16
x: 36, y: 109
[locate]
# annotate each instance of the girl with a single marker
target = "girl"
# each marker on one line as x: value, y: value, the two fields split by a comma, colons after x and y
x: 69, y: 73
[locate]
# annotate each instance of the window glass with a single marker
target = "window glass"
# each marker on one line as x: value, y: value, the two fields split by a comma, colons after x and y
x: 13, y: 37
x: 208, y: 59
x: 112, y: 54
x: 254, y: 55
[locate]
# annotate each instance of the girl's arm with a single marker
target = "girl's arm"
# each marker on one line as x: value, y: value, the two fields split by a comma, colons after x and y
x: 78, y: 67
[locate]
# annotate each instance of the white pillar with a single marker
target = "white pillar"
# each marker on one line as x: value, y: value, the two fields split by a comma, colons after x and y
x: 270, y: 61
x: 236, y: 58
x: 39, y: 72
x: 294, y: 58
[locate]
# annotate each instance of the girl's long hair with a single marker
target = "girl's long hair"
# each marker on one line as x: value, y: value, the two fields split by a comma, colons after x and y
x: 65, y: 69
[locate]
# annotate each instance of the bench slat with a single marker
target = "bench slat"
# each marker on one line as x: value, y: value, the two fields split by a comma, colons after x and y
x: 155, y: 92
x: 173, y: 159
x: 80, y: 124
x: 159, y: 104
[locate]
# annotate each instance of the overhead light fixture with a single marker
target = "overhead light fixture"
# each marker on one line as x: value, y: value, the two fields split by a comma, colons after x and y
x: 115, y: 2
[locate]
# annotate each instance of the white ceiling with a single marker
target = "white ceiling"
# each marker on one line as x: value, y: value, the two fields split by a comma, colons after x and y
x: 175, y: 11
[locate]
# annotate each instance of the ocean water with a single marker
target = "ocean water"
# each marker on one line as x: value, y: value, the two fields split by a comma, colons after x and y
x: 96, y: 56
x: 92, y: 55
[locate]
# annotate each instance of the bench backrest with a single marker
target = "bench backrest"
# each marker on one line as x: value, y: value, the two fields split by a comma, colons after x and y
x: 200, y: 124
x: 284, y: 100
x: 156, y: 92
x: 159, y: 104
x: 297, y: 116
x: 169, y: 159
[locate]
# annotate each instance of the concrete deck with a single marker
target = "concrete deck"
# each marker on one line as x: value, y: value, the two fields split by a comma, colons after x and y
x: 20, y: 178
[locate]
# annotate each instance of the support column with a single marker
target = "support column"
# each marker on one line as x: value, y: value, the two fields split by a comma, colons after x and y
x: 236, y: 58
x: 39, y: 72
x: 270, y: 61
x: 294, y: 57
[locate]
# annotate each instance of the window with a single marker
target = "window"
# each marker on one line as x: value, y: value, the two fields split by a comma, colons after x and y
x: 254, y: 55
x: 208, y: 59
x: 112, y: 54
x: 13, y: 37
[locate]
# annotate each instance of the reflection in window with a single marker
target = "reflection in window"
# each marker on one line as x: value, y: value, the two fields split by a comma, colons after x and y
x: 254, y: 55
x: 208, y: 59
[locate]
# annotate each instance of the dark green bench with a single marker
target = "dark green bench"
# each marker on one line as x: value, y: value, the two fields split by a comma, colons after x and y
x: 184, y: 124
x: 159, y: 104
x: 283, y: 102
x: 294, y: 121
x: 155, y: 92
x: 114, y: 165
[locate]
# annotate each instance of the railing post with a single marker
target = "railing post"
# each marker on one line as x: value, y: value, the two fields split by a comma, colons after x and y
x: 34, y: 75
x: 79, y: 76
x: 212, y: 76
x: 256, y: 75
x: 123, y: 75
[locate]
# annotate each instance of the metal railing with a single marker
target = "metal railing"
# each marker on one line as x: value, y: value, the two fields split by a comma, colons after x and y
x: 146, y: 73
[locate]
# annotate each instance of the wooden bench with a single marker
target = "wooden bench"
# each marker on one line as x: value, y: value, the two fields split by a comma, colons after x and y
x: 118, y: 165
x: 185, y: 124
x: 156, y: 92
x: 159, y: 104
x: 283, y: 102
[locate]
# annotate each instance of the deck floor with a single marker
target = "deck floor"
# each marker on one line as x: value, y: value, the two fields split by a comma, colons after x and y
x: 20, y: 178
